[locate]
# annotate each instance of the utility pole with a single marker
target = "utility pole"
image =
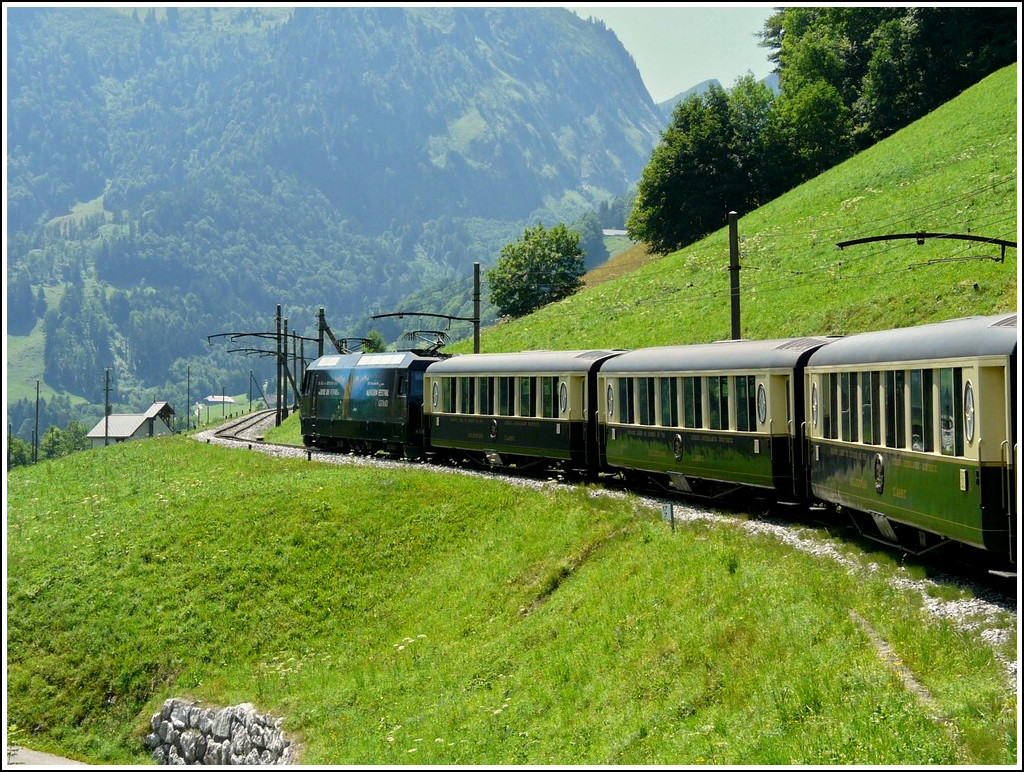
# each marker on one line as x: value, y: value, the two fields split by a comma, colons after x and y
x: 188, y: 397
x: 476, y: 308
x: 35, y: 431
x: 280, y: 378
x: 321, y: 326
x: 287, y: 368
x: 106, y: 406
x: 734, y: 273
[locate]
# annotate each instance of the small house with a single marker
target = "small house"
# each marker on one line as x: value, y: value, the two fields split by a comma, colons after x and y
x: 132, y: 426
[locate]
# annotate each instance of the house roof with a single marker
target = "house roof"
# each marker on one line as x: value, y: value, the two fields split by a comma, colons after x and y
x: 126, y: 424
x: 117, y: 426
x: 162, y: 409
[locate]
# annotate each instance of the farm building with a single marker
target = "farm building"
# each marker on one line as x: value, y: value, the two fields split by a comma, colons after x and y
x: 133, y: 426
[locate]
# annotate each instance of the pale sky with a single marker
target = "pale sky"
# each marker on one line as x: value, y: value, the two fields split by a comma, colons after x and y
x: 676, y: 45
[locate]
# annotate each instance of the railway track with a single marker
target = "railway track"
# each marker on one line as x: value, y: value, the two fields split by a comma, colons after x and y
x: 797, y: 518
x: 993, y: 597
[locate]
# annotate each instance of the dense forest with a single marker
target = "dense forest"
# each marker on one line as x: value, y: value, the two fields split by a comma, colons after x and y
x: 848, y: 77
x: 179, y: 173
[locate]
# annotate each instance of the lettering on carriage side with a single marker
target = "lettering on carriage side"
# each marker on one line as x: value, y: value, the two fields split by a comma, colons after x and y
x: 328, y: 391
x: 899, y: 493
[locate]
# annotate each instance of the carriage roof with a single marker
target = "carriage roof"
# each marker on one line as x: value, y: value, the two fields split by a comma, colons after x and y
x: 967, y: 337
x: 722, y: 355
x: 522, y: 363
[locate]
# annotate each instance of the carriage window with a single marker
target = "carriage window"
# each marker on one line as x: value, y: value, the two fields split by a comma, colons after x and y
x: 718, y: 402
x: 487, y: 396
x: 895, y: 409
x: 527, y: 390
x: 869, y: 389
x: 951, y: 426
x: 921, y: 411
x: 693, y: 404
x: 401, y: 386
x: 746, y: 409
x: 645, y: 397
x: 626, y: 415
x: 669, y: 405
x: 848, y: 395
x: 550, y: 402
x: 468, y: 389
x: 506, y: 396
x: 829, y: 405
x: 448, y: 395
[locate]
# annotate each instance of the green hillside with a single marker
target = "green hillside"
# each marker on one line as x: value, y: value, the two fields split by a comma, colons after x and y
x: 414, y: 616
x: 411, y: 616
x: 955, y: 171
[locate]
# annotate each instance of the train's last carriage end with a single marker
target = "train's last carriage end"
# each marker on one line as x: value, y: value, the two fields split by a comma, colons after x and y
x: 913, y: 433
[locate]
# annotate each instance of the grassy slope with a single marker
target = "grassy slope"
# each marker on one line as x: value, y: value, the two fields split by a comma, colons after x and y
x: 411, y: 617
x: 408, y: 616
x: 954, y: 171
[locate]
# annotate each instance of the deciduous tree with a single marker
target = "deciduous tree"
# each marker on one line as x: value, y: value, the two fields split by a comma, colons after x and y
x: 543, y: 266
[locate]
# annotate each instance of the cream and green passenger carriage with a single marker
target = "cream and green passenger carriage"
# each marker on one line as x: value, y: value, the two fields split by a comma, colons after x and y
x: 515, y: 409
x: 914, y: 431
x: 708, y: 418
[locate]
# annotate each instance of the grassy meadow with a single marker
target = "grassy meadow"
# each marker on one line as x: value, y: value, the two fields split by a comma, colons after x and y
x: 412, y: 616
x: 953, y: 172
x: 415, y: 617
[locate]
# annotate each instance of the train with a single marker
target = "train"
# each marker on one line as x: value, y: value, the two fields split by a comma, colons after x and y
x: 912, y: 432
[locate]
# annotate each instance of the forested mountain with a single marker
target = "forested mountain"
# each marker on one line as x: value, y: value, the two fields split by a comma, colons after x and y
x: 175, y: 174
x: 178, y: 173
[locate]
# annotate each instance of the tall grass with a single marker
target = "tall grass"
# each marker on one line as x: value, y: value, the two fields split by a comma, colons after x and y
x: 413, y: 616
